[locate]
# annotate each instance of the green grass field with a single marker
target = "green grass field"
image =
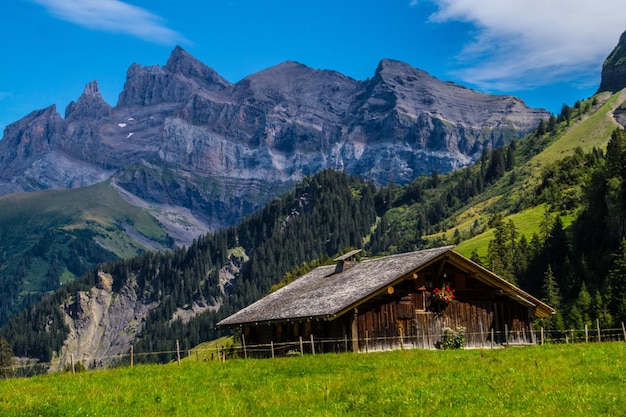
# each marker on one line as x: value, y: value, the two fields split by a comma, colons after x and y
x: 551, y: 380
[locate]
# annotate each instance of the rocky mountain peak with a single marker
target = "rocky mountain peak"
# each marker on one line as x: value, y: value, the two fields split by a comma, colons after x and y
x: 29, y: 137
x: 175, y: 82
x: 181, y: 61
x: 90, y: 104
x: 91, y: 89
x: 614, y: 68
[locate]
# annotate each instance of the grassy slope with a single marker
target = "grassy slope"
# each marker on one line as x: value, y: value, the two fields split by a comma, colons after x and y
x: 526, y: 222
x: 555, y: 380
x: 99, y: 207
x: 592, y: 131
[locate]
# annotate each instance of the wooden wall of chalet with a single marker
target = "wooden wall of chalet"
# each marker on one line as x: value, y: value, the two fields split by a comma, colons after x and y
x: 382, y: 326
x: 406, y: 311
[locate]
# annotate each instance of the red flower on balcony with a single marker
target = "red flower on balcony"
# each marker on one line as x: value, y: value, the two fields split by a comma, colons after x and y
x: 445, y: 294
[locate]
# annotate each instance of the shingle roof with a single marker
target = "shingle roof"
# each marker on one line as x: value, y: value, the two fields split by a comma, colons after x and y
x: 322, y: 293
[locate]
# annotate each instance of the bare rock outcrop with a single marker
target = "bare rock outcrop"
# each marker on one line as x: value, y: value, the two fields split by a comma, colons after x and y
x: 102, y: 323
x: 614, y: 68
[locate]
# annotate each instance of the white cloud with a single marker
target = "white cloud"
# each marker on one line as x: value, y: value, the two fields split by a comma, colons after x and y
x: 529, y: 43
x: 113, y: 16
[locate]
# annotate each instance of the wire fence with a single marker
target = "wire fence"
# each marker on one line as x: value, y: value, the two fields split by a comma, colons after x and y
x: 240, y: 350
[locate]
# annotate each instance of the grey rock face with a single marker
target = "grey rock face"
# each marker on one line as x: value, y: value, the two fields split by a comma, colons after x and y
x: 102, y: 324
x: 614, y: 68
x: 182, y: 135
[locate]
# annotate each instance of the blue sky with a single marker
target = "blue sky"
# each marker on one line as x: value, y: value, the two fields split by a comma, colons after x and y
x: 547, y: 52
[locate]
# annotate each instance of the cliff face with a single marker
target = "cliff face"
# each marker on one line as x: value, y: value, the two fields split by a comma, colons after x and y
x: 182, y: 135
x: 614, y: 68
x: 102, y: 323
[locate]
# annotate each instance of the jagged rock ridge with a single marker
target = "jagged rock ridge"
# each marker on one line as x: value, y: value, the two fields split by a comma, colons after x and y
x: 182, y: 135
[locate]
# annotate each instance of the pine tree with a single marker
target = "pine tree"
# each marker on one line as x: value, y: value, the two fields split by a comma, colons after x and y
x: 616, y: 288
x: 6, y: 359
x: 552, y: 297
x: 583, y: 304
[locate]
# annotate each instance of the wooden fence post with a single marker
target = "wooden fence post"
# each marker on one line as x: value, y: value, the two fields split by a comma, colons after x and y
x: 401, y: 339
x: 243, y: 343
x: 492, y: 336
x: 272, y: 347
x: 367, y: 341
x: 586, y: 334
x: 542, y: 336
x: 624, y: 331
x: 301, y: 346
x: 312, y: 344
x: 72, y: 363
x: 131, y: 355
x: 598, y: 327
x: 177, y: 352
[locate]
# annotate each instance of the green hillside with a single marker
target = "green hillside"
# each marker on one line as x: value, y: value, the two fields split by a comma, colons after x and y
x: 52, y: 237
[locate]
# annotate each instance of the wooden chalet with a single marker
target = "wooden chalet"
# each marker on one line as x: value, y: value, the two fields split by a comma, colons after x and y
x: 388, y: 303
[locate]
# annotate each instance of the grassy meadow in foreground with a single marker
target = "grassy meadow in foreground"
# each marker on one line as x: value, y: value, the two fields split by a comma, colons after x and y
x: 582, y: 379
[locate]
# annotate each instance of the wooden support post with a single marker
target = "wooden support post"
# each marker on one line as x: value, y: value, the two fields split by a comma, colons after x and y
x: 492, y: 337
x: 542, y: 336
x: 482, y: 335
x: 345, y: 342
x: 506, y: 335
x: 312, y: 344
x: 598, y: 327
x: 355, y: 331
x: 131, y: 355
x: 401, y: 340
x: 571, y: 331
x: 272, y: 347
x: 72, y: 363
x: 586, y: 334
x: 301, y: 346
x: 197, y: 359
x: 177, y: 351
x: 624, y: 331
x: 243, y: 343
x: 417, y: 333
